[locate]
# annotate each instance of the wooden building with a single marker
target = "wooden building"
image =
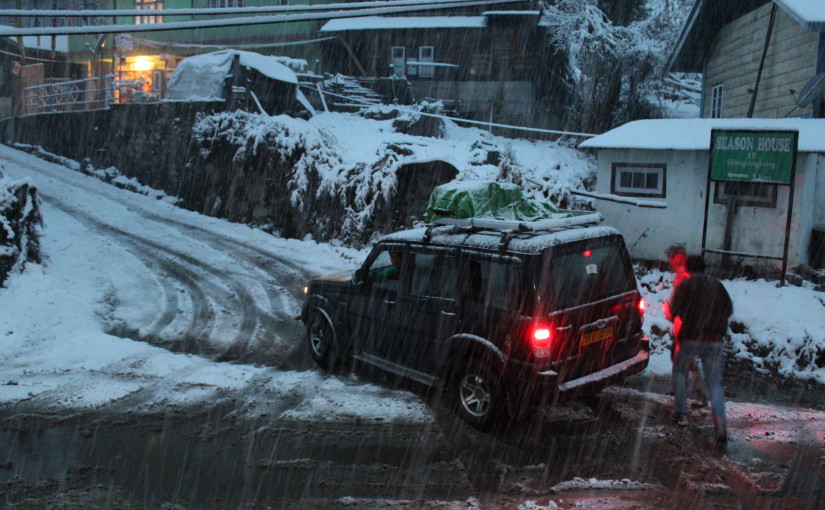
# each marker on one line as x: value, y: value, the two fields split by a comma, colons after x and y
x: 758, y: 57
x: 494, y: 65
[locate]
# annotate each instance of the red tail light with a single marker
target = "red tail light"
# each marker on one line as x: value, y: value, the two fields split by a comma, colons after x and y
x: 541, y: 339
x: 642, y: 305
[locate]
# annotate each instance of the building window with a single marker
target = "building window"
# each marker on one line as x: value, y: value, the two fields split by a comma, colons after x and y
x: 638, y: 180
x: 226, y: 4
x: 425, y: 54
x: 716, y: 102
x: 755, y: 194
x: 148, y: 5
x: 398, y: 57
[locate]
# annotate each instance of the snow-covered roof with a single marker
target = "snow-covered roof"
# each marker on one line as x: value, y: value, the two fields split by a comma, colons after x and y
x: 530, y: 245
x: 808, y: 13
x: 511, y: 13
x: 44, y: 42
x: 694, y: 134
x: 401, y: 22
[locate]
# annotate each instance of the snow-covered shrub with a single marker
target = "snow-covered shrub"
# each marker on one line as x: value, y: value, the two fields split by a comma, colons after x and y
x: 315, y: 174
x: 20, y: 223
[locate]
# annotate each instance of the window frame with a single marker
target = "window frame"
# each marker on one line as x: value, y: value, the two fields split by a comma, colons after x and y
x: 717, y: 95
x: 149, y: 19
x: 403, y: 60
x: 618, y: 169
x: 226, y: 4
x: 430, y: 70
x: 722, y: 197
x: 513, y: 295
x: 442, y: 258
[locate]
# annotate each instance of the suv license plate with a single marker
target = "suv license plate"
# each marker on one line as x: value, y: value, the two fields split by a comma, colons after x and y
x: 596, y: 336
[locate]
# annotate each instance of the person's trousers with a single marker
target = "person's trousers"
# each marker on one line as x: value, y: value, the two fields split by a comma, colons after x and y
x: 712, y: 362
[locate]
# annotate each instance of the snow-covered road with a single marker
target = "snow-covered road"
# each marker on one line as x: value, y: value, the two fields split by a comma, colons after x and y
x: 140, y: 304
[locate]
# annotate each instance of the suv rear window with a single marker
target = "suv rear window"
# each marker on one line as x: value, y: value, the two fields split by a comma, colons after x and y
x: 580, y: 273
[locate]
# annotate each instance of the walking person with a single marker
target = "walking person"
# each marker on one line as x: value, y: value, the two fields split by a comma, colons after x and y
x: 704, y: 307
x: 677, y: 258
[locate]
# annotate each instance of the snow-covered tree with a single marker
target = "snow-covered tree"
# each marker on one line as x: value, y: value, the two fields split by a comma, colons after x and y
x: 616, y: 52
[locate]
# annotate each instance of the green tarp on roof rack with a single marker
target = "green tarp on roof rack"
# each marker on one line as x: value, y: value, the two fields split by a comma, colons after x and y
x: 486, y: 199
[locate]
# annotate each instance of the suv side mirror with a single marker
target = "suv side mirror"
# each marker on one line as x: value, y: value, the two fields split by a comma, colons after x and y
x: 359, y: 276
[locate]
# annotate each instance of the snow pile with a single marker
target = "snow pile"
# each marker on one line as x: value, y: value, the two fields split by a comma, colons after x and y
x: 337, y: 401
x: 577, y: 484
x: 779, y: 330
x: 341, y: 170
x: 20, y: 223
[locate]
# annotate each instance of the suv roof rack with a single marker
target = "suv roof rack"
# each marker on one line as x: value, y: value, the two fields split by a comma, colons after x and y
x: 577, y: 218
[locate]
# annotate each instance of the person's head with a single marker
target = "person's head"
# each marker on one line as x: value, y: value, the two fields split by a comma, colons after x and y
x: 397, y: 258
x: 676, y: 256
x: 695, y: 264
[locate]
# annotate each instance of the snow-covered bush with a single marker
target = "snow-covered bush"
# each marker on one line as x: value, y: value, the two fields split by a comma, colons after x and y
x: 314, y: 172
x: 20, y: 223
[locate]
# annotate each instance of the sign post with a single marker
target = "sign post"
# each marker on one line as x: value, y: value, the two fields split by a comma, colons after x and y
x: 757, y: 157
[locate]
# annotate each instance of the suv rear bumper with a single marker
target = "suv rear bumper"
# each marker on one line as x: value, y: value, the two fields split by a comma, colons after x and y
x: 543, y: 388
x: 594, y: 382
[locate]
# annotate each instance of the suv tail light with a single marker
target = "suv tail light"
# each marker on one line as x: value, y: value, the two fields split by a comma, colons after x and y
x: 541, y: 339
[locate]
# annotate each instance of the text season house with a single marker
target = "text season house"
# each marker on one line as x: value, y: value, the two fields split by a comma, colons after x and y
x: 653, y: 181
x: 494, y: 65
x: 758, y: 58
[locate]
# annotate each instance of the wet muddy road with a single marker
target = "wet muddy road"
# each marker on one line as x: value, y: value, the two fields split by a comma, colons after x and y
x: 212, y: 458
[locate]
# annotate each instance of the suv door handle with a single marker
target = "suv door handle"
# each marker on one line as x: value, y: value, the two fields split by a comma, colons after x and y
x: 389, y: 302
x: 447, y: 314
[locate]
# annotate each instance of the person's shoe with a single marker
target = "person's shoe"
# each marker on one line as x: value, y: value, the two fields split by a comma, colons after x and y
x: 681, y: 419
x: 721, y: 444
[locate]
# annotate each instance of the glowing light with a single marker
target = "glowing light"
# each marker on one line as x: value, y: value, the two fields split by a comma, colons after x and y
x: 541, y: 339
x: 587, y: 253
x: 143, y: 63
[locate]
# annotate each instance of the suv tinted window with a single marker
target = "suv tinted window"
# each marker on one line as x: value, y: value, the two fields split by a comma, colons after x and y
x: 433, y: 276
x: 493, y: 284
x: 385, y: 270
x: 579, y: 274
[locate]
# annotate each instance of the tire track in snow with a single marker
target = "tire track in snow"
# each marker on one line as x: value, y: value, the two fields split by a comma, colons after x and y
x: 276, y: 267
x: 203, y: 313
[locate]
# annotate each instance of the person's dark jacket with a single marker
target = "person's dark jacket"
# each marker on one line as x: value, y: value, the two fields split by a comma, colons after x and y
x: 704, y: 307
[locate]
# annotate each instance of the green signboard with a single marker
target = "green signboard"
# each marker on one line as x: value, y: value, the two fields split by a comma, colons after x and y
x: 752, y: 156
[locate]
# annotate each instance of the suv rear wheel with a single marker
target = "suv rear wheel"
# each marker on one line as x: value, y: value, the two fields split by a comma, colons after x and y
x: 478, y: 395
x: 321, y: 340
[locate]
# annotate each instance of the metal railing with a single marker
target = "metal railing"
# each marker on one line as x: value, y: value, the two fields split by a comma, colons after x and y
x: 70, y: 95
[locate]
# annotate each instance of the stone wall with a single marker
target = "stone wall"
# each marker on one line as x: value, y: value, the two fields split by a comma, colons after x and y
x: 151, y: 142
x: 154, y: 143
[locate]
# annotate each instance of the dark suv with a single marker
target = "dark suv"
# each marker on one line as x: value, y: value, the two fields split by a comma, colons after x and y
x: 501, y: 321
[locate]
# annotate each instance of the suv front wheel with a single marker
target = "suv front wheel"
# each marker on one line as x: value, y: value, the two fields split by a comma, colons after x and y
x: 321, y: 340
x: 478, y: 395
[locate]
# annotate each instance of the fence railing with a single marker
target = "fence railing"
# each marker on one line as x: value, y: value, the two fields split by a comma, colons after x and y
x: 70, y: 95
